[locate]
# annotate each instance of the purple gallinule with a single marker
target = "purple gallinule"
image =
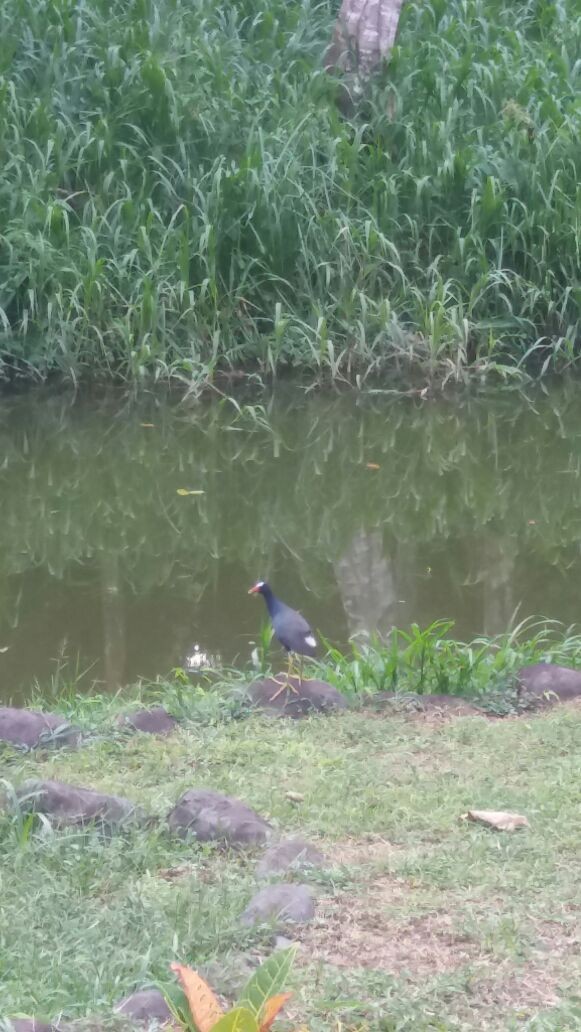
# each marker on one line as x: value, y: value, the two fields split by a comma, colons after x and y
x: 290, y: 629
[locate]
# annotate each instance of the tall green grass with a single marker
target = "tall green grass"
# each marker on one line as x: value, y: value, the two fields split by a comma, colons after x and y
x: 179, y: 193
x: 426, y: 661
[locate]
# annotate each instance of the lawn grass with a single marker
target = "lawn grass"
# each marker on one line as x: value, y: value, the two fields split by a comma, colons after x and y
x: 181, y: 194
x: 423, y: 921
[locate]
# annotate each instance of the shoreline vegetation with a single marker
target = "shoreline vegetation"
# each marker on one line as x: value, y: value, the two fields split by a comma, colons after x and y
x: 413, y: 663
x: 421, y: 918
x: 181, y: 196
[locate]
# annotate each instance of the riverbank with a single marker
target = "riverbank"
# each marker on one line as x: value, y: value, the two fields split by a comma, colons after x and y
x: 183, y: 196
x: 420, y: 918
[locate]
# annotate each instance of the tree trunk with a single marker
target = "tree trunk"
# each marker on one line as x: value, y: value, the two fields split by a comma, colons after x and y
x: 364, y: 35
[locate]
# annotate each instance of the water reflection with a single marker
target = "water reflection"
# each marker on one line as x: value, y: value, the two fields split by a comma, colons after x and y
x: 474, y: 513
x: 367, y: 582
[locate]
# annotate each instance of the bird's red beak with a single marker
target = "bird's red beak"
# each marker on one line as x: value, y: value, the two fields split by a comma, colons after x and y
x: 254, y: 590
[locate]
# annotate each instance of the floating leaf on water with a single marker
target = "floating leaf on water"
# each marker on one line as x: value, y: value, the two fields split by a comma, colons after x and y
x: 184, y: 492
x: 203, y: 1004
x: 372, y: 465
x: 500, y: 820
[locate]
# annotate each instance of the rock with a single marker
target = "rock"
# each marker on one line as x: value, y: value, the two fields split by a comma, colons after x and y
x: 27, y: 1025
x: 229, y: 973
x: 312, y: 696
x: 28, y: 729
x: 280, y: 903
x: 447, y: 704
x: 545, y: 684
x: 213, y: 817
x: 380, y: 698
x: 155, y: 721
x: 282, y: 942
x: 70, y: 805
x: 291, y: 853
x: 429, y: 703
x: 145, y: 1007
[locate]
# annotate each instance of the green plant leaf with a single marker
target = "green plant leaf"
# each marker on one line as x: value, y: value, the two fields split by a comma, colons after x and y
x: 240, y: 1019
x: 268, y: 980
x: 176, y: 1000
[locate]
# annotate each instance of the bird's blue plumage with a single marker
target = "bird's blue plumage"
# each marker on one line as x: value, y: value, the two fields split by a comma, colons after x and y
x: 291, y: 629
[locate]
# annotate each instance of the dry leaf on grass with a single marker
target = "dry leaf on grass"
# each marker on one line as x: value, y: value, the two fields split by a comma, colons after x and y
x: 500, y: 820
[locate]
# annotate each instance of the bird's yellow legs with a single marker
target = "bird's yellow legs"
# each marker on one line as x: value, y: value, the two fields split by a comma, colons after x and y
x: 288, y: 683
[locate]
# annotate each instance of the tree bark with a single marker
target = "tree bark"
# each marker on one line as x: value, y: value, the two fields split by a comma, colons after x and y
x: 364, y: 34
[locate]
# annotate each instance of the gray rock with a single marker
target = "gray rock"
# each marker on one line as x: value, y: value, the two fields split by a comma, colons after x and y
x: 311, y: 696
x: 26, y: 1025
x: 28, y: 729
x: 282, y: 942
x: 71, y: 805
x: 432, y: 703
x: 155, y: 721
x: 452, y: 704
x: 145, y: 1007
x: 545, y: 684
x: 289, y: 854
x: 282, y: 904
x: 213, y: 817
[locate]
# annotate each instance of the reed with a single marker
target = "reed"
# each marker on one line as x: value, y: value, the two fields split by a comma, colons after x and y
x: 179, y: 193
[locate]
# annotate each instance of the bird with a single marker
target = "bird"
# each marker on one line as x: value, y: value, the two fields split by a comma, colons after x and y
x: 290, y: 629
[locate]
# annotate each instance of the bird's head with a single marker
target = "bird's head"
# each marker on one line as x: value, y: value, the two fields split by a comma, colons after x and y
x: 260, y: 588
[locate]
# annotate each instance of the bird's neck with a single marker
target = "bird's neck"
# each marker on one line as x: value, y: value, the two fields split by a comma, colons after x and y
x: 272, y: 603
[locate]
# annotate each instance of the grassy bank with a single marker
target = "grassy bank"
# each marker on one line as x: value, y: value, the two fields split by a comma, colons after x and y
x: 180, y: 194
x: 423, y: 921
x: 415, y: 663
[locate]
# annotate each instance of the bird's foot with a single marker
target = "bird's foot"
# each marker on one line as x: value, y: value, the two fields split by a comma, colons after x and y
x: 288, y: 685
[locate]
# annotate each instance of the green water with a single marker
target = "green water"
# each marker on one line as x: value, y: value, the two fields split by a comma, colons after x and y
x: 474, y: 514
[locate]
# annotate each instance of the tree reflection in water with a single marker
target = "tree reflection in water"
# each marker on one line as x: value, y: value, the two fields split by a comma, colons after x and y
x: 473, y: 512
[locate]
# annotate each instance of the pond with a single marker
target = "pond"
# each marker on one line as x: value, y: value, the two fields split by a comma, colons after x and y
x: 364, y: 512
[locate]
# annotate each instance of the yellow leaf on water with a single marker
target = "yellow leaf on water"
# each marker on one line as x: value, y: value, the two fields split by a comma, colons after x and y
x: 203, y: 1004
x: 372, y: 465
x: 271, y: 1009
x: 184, y: 492
x: 500, y: 820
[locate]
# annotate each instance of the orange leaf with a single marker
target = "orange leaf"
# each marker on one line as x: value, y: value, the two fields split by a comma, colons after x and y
x: 204, y: 1006
x: 271, y: 1009
x: 372, y: 465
